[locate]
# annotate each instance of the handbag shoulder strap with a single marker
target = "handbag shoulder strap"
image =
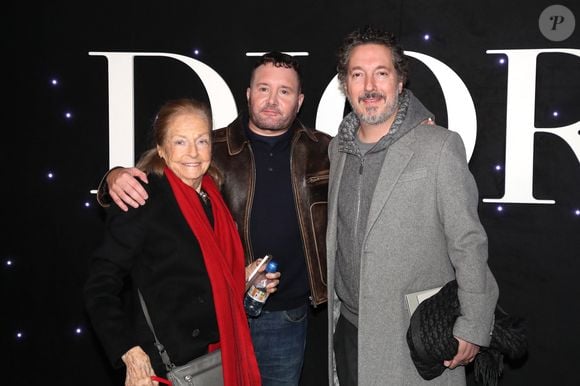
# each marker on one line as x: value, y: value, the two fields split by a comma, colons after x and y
x: 164, y: 355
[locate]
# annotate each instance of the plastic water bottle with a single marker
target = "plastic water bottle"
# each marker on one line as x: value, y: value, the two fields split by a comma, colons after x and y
x: 257, y: 294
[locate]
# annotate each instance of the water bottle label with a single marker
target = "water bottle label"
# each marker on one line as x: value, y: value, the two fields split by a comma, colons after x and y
x: 258, y: 294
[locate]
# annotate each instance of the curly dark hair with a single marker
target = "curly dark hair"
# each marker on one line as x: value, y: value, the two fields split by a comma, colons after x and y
x: 371, y: 35
x: 279, y: 59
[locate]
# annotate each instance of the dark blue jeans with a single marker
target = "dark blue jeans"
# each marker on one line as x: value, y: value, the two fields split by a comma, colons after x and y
x: 279, y: 338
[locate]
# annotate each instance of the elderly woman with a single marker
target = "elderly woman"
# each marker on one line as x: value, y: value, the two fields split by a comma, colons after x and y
x: 183, y: 253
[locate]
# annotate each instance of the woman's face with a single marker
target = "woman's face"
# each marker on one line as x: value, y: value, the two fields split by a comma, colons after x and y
x: 187, y: 147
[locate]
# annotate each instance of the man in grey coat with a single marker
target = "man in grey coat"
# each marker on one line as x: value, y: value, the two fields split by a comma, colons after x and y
x: 402, y: 218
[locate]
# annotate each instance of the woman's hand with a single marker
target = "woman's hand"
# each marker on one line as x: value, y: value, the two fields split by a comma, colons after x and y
x: 139, y: 370
x: 273, y: 277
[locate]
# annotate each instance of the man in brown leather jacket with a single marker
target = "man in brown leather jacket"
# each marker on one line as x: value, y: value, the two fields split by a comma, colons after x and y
x: 273, y: 175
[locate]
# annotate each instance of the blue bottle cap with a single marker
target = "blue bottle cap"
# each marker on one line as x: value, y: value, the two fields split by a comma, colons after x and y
x: 272, y: 266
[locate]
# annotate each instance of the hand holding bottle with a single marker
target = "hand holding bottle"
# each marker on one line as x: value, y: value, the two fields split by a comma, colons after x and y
x: 262, y: 284
x: 273, y: 277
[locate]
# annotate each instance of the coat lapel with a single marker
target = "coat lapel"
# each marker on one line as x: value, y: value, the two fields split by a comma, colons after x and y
x: 398, y: 156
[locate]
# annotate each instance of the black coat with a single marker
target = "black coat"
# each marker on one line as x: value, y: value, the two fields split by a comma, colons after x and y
x: 151, y: 248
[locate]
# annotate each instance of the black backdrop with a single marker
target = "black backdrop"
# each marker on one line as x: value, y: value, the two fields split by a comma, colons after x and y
x: 51, y: 224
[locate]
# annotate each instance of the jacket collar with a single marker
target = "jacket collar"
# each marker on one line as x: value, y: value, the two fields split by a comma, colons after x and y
x: 237, y: 138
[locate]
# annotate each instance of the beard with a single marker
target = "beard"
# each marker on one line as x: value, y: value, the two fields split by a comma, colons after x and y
x: 375, y: 115
x: 279, y: 122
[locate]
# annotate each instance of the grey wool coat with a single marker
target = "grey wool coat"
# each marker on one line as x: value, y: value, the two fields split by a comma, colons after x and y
x: 423, y: 230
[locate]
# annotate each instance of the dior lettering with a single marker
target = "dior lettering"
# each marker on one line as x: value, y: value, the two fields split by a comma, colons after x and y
x: 461, y: 111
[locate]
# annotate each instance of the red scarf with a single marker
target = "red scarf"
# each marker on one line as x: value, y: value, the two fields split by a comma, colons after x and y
x: 224, y: 260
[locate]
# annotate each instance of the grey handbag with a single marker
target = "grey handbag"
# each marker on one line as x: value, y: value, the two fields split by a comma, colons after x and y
x: 205, y: 370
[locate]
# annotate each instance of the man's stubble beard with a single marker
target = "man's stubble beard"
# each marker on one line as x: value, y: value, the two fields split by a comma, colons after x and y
x: 281, y: 124
x: 376, y: 119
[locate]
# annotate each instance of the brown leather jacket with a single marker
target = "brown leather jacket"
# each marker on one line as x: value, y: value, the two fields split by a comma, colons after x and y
x: 234, y: 159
